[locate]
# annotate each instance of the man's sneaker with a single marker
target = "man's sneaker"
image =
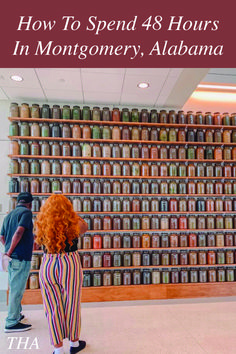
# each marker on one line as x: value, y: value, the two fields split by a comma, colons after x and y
x: 21, y: 317
x: 19, y: 327
x: 74, y: 350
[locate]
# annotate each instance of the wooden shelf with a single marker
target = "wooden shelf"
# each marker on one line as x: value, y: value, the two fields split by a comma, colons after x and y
x: 145, y: 292
x: 41, y: 157
x: 121, y: 177
x: 120, y: 123
x: 111, y: 141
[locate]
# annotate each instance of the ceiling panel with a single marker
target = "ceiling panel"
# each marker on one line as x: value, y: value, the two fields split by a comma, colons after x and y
x: 24, y: 94
x: 64, y: 96
x: 102, y: 98
x: 102, y: 82
x: 30, y: 79
x: 120, y: 71
x: 148, y: 71
x: 60, y: 79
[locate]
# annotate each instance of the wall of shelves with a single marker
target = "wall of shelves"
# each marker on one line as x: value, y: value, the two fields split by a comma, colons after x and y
x: 192, y: 280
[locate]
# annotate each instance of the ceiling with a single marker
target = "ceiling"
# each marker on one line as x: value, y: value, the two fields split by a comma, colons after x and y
x: 168, y: 87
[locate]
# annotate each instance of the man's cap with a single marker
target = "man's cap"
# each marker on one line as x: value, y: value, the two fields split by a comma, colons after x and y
x: 24, y: 197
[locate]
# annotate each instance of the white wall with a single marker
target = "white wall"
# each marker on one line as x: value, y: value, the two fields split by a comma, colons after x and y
x: 4, y: 164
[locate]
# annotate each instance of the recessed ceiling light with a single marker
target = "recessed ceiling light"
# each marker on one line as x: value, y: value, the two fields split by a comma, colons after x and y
x: 143, y: 85
x: 221, y: 87
x: 16, y: 78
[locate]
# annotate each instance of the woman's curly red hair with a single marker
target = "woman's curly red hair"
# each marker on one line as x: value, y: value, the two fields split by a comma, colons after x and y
x: 56, y: 223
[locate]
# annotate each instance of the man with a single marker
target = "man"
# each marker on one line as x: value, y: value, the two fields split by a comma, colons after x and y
x: 17, y: 237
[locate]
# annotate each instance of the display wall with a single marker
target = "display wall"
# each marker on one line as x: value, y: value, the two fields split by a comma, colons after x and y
x: 156, y: 188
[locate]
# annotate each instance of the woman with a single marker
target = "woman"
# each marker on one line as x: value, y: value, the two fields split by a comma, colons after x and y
x: 57, y: 228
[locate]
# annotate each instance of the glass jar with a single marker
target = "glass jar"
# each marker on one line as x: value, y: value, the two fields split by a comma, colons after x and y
x: 35, y: 148
x: 126, y: 151
x: 76, y: 113
x: 24, y: 110
x: 14, y: 110
x: 225, y: 118
x: 34, y: 167
x: 66, y: 131
x: 24, y: 186
x: 66, y: 149
x: 14, y: 129
x: 116, y: 114
x: 14, y: 148
x: 96, y: 132
x: 86, y: 113
x: 105, y: 114
x: 153, y: 116
x: 125, y: 114
x: 96, y: 150
x: 86, y: 132
x: 24, y: 148
x: 163, y: 135
x: 144, y: 115
x: 144, y: 134
x: 76, y: 132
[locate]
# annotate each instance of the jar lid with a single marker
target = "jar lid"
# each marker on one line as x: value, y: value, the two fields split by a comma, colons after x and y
x: 25, y: 104
x: 153, y: 110
x: 95, y: 107
x: 125, y: 109
x: 14, y: 103
x: 76, y: 106
x: 66, y: 106
x: 86, y: 107
x: 105, y: 108
x: 56, y: 106
x: 35, y: 105
x: 46, y: 105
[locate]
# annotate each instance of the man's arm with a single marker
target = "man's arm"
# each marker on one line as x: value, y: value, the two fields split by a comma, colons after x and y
x: 15, y: 239
x: 2, y: 239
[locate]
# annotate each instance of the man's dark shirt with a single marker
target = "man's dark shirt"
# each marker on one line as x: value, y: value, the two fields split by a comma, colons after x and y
x: 20, y: 216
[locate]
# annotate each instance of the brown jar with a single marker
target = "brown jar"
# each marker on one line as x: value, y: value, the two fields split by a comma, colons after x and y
x: 116, y: 115
x: 181, y: 117
x: 163, y: 153
x: 45, y: 167
x: 24, y: 111
x: 125, y: 133
x: 182, y: 153
x: 154, y: 152
x: 76, y: 132
x: 86, y: 132
x: 144, y: 134
x: 217, y: 118
x: 190, y: 117
x: 116, y: 133
x: 135, y: 134
x: 35, y: 148
x: 154, y: 134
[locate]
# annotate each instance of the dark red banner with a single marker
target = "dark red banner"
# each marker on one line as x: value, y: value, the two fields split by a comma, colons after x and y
x: 117, y: 34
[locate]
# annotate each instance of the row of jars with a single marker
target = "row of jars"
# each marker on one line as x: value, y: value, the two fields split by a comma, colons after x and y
x: 121, y: 133
x: 145, y: 240
x: 173, y: 222
x: 143, y: 205
x: 125, y: 151
x: 154, y: 276
x: 155, y: 258
x: 86, y: 168
x: 121, y: 187
x: 115, y: 114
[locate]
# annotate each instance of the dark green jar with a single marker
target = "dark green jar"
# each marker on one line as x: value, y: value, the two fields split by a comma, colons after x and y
x: 34, y: 167
x: 125, y: 114
x: 56, y: 131
x: 55, y: 186
x: 209, y: 153
x: 45, y: 111
x: 76, y: 113
x: 24, y: 129
x: 14, y: 167
x: 13, y: 186
x: 13, y: 129
x: 66, y: 112
x: 191, y: 153
x: 45, y: 131
x: 134, y: 115
x: 96, y: 132
x: 86, y: 113
x: 24, y: 148
x: 154, y: 116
